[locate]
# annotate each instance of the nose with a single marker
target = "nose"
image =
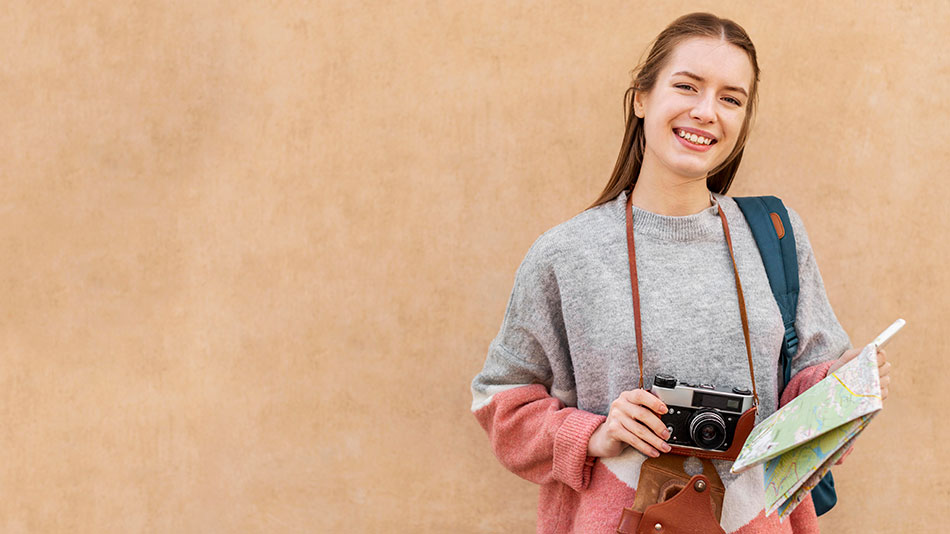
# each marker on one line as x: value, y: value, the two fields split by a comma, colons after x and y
x: 704, y: 110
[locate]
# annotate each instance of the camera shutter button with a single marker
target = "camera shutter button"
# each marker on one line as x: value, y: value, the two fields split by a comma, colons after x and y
x: 741, y: 391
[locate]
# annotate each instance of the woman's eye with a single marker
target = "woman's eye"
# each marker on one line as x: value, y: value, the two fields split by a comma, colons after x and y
x: 733, y: 101
x: 684, y: 86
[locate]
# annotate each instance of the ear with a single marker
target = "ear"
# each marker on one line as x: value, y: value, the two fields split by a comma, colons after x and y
x: 638, y: 101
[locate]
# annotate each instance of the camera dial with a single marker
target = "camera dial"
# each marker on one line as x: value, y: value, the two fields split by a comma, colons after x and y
x: 664, y: 381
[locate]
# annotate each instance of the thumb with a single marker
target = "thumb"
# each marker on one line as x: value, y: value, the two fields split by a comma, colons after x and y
x: 845, y: 357
x: 849, y: 355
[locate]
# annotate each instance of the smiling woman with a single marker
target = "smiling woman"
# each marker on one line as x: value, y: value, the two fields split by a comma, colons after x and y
x: 704, y: 55
x: 645, y: 285
x: 696, y: 116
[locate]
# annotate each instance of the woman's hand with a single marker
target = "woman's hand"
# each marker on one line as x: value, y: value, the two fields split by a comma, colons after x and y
x: 883, y: 367
x: 632, y: 420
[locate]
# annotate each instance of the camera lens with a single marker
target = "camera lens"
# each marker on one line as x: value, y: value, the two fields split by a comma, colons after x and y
x: 708, y: 430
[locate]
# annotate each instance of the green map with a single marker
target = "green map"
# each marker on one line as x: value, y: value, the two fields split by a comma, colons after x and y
x: 801, y: 441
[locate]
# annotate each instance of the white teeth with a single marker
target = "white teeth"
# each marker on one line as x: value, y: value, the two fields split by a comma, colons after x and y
x: 699, y: 140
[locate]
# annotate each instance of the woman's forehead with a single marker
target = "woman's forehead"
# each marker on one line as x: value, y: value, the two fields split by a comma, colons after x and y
x: 711, y: 59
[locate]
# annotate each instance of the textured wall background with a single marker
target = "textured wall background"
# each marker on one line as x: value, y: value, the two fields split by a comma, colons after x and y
x: 254, y: 253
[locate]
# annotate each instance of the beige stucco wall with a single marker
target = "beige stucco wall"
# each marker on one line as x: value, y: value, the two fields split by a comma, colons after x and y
x: 253, y: 253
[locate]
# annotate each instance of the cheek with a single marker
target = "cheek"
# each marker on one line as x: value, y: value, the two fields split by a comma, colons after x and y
x: 730, y: 143
x: 734, y: 132
x: 736, y: 122
x: 655, y: 129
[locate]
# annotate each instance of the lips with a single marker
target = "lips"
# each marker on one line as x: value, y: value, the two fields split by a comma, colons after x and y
x: 695, y: 137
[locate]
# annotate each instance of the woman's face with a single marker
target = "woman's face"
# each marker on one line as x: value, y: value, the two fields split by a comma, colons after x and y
x: 694, y: 113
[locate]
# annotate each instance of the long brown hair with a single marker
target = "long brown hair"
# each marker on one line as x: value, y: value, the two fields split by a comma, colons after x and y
x: 627, y: 169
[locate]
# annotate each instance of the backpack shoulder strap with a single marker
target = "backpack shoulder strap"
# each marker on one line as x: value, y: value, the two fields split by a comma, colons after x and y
x: 772, y: 230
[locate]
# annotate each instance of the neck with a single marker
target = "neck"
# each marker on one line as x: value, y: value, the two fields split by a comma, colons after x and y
x: 685, y: 198
x: 659, y: 189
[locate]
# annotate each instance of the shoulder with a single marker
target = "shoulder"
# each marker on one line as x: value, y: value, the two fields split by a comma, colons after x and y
x: 591, y: 230
x: 802, y: 243
x: 799, y: 233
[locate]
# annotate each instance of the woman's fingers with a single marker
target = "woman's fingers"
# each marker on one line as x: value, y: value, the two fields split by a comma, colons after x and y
x: 643, y: 397
x: 643, y: 412
x: 621, y: 433
x: 638, y: 436
x: 637, y: 413
x: 646, y: 434
x: 884, y: 370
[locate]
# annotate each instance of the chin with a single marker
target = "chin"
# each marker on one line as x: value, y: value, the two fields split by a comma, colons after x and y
x: 693, y: 173
x: 699, y: 171
x: 693, y: 168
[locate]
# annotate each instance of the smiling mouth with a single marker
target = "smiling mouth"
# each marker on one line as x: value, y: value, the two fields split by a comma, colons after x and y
x: 693, y: 138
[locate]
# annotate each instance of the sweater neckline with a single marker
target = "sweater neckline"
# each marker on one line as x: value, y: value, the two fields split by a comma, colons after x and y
x: 706, y: 223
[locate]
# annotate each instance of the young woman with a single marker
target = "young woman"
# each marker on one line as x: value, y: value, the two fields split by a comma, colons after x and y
x: 559, y: 395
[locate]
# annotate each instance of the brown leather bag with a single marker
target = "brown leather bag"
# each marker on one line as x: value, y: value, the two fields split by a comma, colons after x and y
x: 670, y: 501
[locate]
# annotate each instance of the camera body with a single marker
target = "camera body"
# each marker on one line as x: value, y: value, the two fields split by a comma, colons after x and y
x: 701, y: 416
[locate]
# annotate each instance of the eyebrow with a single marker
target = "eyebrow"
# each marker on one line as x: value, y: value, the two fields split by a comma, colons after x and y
x: 701, y: 79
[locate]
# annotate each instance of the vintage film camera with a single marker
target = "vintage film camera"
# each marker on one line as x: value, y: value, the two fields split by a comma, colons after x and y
x: 701, y: 416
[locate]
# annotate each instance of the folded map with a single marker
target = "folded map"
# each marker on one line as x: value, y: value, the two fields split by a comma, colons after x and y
x: 800, y: 442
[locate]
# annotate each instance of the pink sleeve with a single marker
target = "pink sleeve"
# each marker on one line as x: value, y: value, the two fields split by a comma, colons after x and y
x: 805, y: 379
x: 537, y: 438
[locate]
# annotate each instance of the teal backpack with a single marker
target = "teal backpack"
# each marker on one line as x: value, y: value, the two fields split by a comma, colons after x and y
x: 768, y: 219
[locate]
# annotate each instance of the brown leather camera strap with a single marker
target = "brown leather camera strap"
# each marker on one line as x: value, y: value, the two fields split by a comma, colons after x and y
x: 631, y: 253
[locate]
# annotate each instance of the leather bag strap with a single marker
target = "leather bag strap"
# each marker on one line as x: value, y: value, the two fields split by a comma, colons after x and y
x: 635, y: 290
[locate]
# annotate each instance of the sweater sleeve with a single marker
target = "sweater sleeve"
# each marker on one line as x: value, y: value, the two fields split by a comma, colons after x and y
x: 533, y: 433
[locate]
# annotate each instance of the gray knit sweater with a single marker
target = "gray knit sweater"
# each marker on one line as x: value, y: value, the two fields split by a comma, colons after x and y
x: 569, y: 322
